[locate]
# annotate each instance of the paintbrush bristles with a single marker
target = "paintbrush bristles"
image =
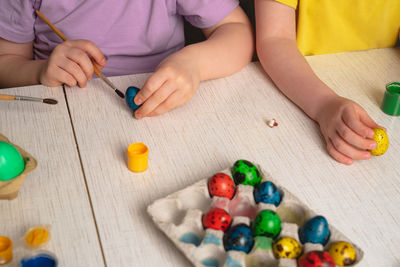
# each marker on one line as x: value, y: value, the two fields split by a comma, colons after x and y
x: 121, y: 95
x: 50, y: 101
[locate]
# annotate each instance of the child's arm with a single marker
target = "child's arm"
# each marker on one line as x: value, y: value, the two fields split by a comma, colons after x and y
x: 343, y: 123
x: 16, y: 66
x: 228, y: 48
x: 69, y: 64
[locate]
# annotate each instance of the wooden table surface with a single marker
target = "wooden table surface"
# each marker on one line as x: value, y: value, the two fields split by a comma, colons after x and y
x: 55, y: 193
x: 97, y: 207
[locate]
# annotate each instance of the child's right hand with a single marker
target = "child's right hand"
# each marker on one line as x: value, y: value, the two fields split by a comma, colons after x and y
x: 346, y: 127
x: 70, y: 64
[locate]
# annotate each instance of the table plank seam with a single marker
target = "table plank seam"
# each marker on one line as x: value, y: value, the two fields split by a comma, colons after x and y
x: 84, y: 176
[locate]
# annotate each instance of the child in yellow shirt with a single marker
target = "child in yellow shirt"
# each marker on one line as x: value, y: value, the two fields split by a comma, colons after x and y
x: 288, y: 30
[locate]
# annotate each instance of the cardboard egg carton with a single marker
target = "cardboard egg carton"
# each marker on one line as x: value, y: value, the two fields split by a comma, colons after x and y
x: 179, y: 216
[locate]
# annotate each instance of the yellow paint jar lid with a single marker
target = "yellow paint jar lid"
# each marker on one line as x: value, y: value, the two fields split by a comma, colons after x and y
x: 37, y: 236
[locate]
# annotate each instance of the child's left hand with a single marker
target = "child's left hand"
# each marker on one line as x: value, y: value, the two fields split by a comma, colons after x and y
x: 173, y: 83
x: 347, y: 129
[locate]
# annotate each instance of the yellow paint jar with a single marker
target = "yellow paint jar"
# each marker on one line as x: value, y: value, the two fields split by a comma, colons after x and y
x: 37, y: 237
x: 138, y: 154
x: 5, y: 250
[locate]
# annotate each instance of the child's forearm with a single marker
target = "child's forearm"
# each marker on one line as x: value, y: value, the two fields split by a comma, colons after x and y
x: 19, y: 71
x: 292, y: 75
x: 228, y: 49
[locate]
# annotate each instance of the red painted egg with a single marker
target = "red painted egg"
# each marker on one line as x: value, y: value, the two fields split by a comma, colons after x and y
x: 217, y: 219
x: 316, y: 259
x: 221, y: 185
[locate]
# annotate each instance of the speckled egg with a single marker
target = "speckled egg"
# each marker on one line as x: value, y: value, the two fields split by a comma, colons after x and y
x: 316, y: 259
x: 217, y: 219
x: 267, y: 223
x: 267, y: 192
x: 382, y: 140
x: 239, y: 237
x: 245, y: 172
x: 287, y: 247
x: 315, y: 230
x: 343, y: 253
x: 221, y: 185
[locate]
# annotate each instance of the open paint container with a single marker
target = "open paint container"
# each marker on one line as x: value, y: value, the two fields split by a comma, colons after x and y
x: 391, y: 99
x: 39, y: 258
x: 5, y: 250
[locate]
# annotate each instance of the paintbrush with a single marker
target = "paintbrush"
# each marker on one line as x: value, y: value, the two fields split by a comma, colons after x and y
x: 96, y: 70
x: 49, y: 101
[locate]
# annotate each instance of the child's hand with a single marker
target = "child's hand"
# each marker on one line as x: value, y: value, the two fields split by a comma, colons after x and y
x: 173, y: 83
x: 69, y: 63
x: 346, y: 128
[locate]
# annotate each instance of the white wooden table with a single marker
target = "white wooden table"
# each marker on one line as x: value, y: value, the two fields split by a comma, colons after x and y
x: 55, y: 193
x: 104, y: 204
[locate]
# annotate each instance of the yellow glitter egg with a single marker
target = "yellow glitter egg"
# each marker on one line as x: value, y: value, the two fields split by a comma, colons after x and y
x: 287, y: 247
x: 382, y: 140
x: 343, y: 253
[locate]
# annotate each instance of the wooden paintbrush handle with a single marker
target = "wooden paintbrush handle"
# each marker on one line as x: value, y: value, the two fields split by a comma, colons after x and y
x: 6, y: 97
x: 96, y: 70
x: 62, y: 36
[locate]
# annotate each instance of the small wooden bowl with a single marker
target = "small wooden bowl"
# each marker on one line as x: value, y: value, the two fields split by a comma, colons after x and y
x: 9, y: 189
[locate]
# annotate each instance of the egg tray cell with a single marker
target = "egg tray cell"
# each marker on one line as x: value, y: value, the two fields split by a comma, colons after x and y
x: 179, y: 216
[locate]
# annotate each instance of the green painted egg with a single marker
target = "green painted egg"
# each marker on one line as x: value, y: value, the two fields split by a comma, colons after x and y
x: 245, y: 172
x: 11, y: 162
x: 267, y: 223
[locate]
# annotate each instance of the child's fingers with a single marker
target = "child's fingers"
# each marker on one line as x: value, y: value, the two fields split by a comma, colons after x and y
x: 367, y: 120
x: 90, y: 48
x: 56, y: 76
x: 155, y: 99
x: 174, y: 100
x: 348, y: 150
x: 354, y: 139
x: 82, y: 59
x: 336, y: 154
x: 354, y: 123
x: 75, y: 71
x: 154, y: 82
x: 64, y: 77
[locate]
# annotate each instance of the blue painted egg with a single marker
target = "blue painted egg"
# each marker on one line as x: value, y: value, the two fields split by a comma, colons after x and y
x: 267, y: 192
x: 130, y: 94
x: 315, y: 230
x: 239, y: 237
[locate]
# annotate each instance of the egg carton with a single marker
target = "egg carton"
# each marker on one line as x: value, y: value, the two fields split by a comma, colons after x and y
x: 179, y: 216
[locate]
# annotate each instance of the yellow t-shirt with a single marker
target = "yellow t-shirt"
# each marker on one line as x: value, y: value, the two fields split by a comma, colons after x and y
x: 332, y: 26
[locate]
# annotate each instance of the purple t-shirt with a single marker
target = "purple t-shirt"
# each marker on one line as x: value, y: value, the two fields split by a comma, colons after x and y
x: 135, y: 35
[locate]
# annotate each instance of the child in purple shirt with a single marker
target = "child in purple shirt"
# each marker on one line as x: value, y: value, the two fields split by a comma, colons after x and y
x: 135, y: 36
